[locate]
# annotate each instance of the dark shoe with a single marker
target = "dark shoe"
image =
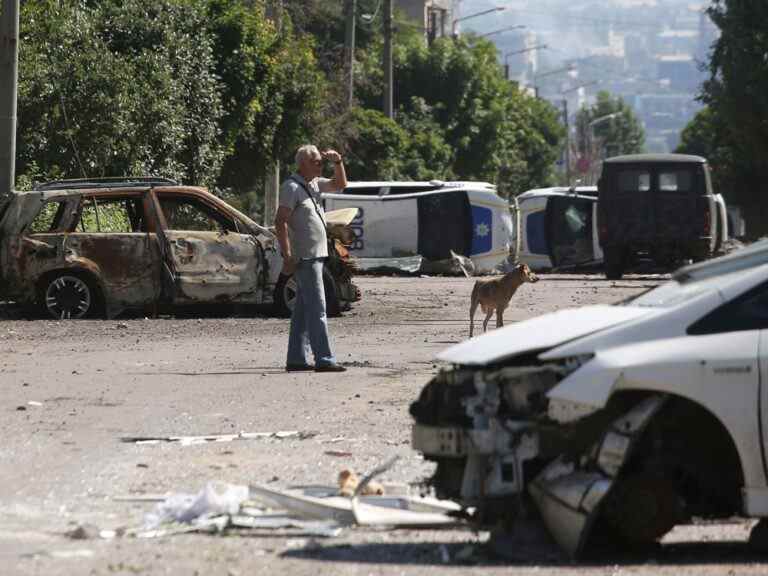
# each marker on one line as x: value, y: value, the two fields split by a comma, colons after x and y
x: 299, y: 368
x: 330, y: 368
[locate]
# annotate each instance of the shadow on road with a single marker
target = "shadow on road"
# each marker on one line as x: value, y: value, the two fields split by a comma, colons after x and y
x: 730, y: 553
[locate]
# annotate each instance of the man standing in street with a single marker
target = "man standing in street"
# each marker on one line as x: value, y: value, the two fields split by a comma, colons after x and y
x: 301, y: 232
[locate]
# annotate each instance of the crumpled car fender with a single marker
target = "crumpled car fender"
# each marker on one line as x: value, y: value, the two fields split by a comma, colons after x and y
x: 689, y: 367
x: 568, y: 494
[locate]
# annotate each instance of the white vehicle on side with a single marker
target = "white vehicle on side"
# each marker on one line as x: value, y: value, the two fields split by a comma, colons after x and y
x: 558, y: 227
x: 617, y: 422
x: 430, y: 219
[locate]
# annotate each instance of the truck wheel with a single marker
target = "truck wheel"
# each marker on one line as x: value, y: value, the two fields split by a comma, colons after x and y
x: 285, y: 295
x: 614, y: 264
x: 69, y: 295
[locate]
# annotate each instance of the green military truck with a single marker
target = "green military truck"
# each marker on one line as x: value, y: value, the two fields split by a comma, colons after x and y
x: 657, y: 206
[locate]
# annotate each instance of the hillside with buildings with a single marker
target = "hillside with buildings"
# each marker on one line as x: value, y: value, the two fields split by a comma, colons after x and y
x: 649, y: 52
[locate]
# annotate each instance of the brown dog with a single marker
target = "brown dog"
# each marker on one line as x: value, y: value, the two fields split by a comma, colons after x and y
x: 494, y: 294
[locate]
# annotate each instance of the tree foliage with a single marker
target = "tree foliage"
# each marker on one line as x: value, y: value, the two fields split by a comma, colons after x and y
x: 608, y: 128
x: 214, y: 91
x: 117, y: 89
x: 737, y: 96
x: 495, y: 132
x: 706, y: 135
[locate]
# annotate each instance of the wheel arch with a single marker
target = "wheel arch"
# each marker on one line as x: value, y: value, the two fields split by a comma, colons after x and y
x: 691, y: 431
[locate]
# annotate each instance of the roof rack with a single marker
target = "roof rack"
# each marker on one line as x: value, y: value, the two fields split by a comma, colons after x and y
x: 116, y: 182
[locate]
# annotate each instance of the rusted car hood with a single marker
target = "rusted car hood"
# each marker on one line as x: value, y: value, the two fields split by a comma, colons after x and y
x: 538, y: 334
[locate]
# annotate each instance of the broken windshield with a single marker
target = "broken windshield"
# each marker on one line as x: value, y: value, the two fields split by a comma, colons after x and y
x: 571, y: 230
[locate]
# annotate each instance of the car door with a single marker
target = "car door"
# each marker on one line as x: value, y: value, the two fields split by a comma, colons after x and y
x: 677, y: 191
x: 212, y: 260
x: 738, y: 367
x: 109, y: 236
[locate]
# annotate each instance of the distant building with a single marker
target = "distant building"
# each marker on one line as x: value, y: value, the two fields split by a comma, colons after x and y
x: 435, y: 16
x: 681, y: 71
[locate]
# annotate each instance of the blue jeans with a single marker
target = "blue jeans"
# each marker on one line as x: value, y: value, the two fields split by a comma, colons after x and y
x: 309, y: 324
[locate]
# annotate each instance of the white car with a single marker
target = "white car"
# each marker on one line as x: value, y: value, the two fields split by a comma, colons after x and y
x: 618, y: 422
x: 558, y: 227
x: 430, y: 219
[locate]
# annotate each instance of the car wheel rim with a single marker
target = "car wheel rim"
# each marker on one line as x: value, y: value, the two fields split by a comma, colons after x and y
x: 289, y: 293
x: 68, y: 297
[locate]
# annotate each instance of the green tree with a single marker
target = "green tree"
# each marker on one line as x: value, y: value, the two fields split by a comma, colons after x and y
x: 706, y: 135
x: 496, y: 132
x: 378, y: 148
x: 608, y: 128
x: 116, y: 89
x: 737, y: 94
x: 272, y: 91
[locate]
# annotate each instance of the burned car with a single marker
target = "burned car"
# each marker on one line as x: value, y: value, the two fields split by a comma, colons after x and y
x: 613, y: 423
x: 85, y: 248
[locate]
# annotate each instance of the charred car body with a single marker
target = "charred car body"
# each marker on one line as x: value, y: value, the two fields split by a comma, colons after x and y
x: 98, y: 247
x: 616, y: 422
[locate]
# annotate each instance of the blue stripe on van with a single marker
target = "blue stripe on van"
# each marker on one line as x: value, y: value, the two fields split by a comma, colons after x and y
x: 482, y: 230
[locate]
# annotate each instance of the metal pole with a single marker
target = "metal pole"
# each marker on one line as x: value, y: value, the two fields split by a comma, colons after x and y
x: 9, y: 71
x: 388, y: 90
x: 567, y: 144
x: 349, y: 44
x: 271, y: 193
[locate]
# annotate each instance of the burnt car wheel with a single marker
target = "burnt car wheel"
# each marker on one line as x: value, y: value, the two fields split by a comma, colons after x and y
x: 69, y: 296
x: 285, y: 295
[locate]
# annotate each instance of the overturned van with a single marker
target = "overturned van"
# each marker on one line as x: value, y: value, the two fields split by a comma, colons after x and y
x: 558, y: 227
x: 432, y: 220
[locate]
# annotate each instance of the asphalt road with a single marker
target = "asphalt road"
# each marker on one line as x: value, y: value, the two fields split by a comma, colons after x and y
x: 72, y: 391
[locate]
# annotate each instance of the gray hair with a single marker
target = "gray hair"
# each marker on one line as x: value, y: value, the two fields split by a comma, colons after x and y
x: 306, y: 151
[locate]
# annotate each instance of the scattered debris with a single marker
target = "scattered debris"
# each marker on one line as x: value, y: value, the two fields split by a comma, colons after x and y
x: 338, y: 453
x: 314, y: 511
x: 192, y: 440
x: 405, y: 265
x: 349, y: 482
x: 456, y: 265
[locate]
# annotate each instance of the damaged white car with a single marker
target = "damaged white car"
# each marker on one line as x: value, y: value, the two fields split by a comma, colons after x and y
x: 616, y: 422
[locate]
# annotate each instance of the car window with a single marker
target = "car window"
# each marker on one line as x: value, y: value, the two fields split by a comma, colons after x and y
x: 634, y: 181
x: 675, y: 181
x: 189, y: 214
x: 111, y: 215
x: 536, y: 233
x: 48, y: 219
x: 747, y: 312
x: 571, y: 230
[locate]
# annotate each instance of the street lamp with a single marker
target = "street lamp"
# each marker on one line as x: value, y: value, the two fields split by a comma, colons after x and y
x: 500, y: 30
x: 569, y: 68
x: 592, y: 139
x: 508, y: 54
x: 566, y: 121
x: 475, y: 15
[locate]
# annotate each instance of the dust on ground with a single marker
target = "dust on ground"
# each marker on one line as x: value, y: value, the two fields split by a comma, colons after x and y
x: 71, y: 390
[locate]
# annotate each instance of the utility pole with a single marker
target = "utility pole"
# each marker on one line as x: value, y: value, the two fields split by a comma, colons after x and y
x: 9, y: 74
x: 567, y: 143
x: 272, y: 169
x: 388, y: 89
x: 349, y: 45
